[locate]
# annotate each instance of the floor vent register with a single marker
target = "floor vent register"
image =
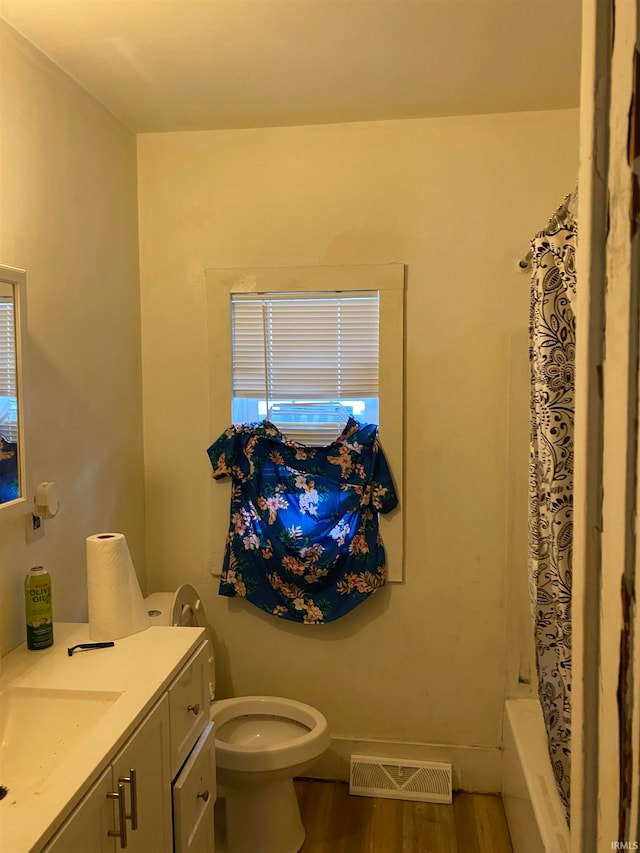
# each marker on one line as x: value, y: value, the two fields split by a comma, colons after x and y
x: 423, y: 781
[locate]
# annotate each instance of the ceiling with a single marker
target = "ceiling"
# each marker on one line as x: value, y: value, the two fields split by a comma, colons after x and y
x: 163, y: 65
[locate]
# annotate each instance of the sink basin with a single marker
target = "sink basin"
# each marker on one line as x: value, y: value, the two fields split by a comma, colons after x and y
x: 40, y: 728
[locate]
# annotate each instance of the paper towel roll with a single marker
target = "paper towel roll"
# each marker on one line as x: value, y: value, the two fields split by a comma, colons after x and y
x: 116, y: 606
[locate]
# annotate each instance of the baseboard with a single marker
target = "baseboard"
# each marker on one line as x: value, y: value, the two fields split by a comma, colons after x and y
x: 475, y: 768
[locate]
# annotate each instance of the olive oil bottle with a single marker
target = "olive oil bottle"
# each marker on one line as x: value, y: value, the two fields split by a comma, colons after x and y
x: 37, y: 596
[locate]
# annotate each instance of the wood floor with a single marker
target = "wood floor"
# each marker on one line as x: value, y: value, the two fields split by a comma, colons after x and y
x: 336, y: 822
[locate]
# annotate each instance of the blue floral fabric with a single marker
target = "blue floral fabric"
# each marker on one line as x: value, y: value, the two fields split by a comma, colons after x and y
x: 303, y: 541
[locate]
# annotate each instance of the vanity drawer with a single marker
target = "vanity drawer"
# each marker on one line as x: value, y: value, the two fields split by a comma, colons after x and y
x: 194, y: 793
x: 189, y: 707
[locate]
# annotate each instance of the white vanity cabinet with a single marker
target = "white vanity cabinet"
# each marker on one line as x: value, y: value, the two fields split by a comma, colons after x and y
x: 158, y: 792
x: 140, y: 775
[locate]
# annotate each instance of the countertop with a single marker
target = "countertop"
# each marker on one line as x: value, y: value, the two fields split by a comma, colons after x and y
x: 139, y: 667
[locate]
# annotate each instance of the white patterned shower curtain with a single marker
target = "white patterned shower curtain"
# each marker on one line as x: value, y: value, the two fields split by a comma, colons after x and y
x: 552, y: 361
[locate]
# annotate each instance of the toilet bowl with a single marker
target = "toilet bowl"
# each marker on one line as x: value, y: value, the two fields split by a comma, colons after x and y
x: 261, y: 743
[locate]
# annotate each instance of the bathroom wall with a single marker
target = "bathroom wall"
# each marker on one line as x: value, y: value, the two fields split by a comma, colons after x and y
x: 426, y: 662
x: 423, y: 666
x: 68, y: 216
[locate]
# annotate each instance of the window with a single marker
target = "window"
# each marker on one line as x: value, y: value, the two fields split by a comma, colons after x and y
x: 310, y: 345
x: 305, y: 361
x: 8, y: 390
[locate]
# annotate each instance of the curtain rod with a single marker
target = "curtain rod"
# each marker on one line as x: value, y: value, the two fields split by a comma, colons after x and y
x: 569, y: 206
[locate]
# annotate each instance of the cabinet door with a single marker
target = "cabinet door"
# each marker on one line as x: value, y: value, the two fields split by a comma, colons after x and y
x: 147, y: 753
x: 189, y: 707
x: 87, y: 827
x: 194, y: 793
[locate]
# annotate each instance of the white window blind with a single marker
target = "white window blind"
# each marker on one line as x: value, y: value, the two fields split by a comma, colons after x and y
x: 304, y: 353
x: 8, y: 391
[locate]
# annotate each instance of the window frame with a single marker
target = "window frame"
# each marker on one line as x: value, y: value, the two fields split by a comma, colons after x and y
x: 389, y: 281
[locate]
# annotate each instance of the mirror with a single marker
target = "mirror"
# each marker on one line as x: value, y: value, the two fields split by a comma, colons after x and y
x: 12, y: 485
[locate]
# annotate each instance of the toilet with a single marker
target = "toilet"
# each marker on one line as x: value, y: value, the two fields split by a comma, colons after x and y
x: 261, y: 743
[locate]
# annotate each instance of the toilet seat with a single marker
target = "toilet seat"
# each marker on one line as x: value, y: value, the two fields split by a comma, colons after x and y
x: 282, y: 745
x: 180, y: 608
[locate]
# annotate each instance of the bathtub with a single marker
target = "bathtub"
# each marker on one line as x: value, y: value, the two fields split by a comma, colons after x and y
x: 535, y: 813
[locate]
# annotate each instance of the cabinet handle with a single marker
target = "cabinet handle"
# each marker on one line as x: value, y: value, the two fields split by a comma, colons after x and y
x: 203, y: 795
x: 122, y: 818
x: 195, y: 708
x: 131, y: 779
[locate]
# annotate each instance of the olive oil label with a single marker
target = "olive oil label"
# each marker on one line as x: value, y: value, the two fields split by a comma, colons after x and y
x: 38, y: 611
